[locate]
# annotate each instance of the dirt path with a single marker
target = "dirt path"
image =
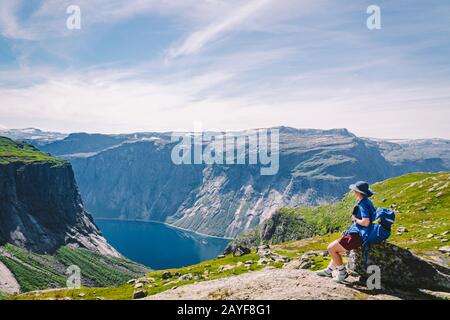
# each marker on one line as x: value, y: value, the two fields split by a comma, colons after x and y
x: 8, y: 282
x: 278, y: 284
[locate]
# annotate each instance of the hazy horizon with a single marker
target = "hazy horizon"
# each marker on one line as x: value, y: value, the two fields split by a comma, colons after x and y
x: 218, y: 130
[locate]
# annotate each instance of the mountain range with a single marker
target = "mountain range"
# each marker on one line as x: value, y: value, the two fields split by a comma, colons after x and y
x: 132, y: 176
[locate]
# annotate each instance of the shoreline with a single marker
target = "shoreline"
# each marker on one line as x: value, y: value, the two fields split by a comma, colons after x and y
x: 166, y: 224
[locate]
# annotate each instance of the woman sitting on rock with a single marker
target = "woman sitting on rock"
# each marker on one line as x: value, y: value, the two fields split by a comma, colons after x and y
x: 352, y: 237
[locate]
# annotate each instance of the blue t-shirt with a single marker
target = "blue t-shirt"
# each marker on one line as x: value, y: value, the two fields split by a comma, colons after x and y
x: 365, y: 209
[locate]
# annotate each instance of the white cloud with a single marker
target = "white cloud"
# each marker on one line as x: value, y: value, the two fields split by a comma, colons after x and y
x: 200, y: 38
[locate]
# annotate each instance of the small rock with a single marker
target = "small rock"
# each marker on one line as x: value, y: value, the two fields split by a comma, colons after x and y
x: 429, y: 236
x: 402, y: 229
x: 324, y: 254
x: 139, y: 294
x: 99, y: 298
x: 444, y: 240
x: 249, y: 262
x: 263, y: 261
x: 177, y: 274
x: 132, y: 281
x: 445, y: 249
x: 309, y: 255
x: 139, y: 285
x: 240, y: 251
x: 384, y: 200
x: 221, y: 256
x: 444, y: 233
x: 81, y: 295
x: 166, y: 275
x: 186, y: 277
x: 439, y: 194
x: 306, y: 264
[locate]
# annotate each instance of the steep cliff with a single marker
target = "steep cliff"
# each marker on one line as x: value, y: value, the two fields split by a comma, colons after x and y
x: 40, y: 206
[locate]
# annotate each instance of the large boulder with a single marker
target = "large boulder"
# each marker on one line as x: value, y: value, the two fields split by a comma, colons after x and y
x: 237, y: 250
x: 400, y: 268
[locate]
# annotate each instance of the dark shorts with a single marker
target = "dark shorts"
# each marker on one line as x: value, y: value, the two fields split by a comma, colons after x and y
x: 350, y: 241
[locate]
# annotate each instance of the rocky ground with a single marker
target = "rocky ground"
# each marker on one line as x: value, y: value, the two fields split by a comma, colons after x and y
x: 292, y: 281
x: 279, y: 284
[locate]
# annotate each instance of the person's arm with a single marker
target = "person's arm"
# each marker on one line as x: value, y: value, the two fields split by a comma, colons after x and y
x: 364, y: 211
x: 362, y: 222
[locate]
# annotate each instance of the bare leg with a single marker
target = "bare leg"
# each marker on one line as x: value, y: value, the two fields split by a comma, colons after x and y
x: 336, y: 250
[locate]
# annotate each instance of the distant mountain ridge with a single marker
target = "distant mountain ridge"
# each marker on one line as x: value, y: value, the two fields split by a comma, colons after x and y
x: 131, y: 176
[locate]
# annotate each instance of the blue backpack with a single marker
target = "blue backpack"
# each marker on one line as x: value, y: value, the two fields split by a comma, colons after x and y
x: 380, y: 228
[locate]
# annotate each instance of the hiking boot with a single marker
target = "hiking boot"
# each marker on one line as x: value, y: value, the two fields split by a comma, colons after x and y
x: 341, y: 276
x: 325, y: 273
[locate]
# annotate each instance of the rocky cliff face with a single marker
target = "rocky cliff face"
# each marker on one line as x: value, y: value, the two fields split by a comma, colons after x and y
x: 133, y: 177
x: 41, y: 209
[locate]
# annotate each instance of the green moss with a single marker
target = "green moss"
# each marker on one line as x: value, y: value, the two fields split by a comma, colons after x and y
x: 13, y: 151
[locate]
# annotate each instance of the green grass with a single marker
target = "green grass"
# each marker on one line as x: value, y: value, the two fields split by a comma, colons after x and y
x: 14, y: 151
x: 125, y: 292
x: 105, y: 271
x: 3, y: 295
x: 36, y: 272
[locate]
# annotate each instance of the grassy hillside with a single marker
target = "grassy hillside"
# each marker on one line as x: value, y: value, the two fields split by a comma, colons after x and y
x: 36, y: 272
x: 421, y: 201
x: 12, y: 151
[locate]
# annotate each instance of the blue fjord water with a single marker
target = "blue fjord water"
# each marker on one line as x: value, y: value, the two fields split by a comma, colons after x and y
x: 159, y: 246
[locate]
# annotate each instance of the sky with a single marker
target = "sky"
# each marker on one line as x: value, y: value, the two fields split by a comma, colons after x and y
x: 161, y: 65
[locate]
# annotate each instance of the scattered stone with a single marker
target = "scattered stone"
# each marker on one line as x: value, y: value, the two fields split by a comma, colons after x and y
x: 166, y: 275
x: 139, y: 294
x: 431, y: 190
x: 132, y: 281
x: 384, y: 200
x: 226, y: 267
x: 402, y: 229
x: 429, y: 236
x: 221, y: 256
x: 305, y: 264
x: 439, y: 194
x: 99, y: 298
x: 445, y: 249
x: 263, y: 260
x: 81, y: 295
x: 139, y: 285
x: 309, y: 255
x: 444, y: 233
x: 177, y: 274
x: 324, y: 254
x: 444, y: 240
x: 240, y: 251
x: 186, y: 277
x: 249, y: 262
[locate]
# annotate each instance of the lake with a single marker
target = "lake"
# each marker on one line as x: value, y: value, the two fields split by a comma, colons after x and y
x: 159, y: 246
